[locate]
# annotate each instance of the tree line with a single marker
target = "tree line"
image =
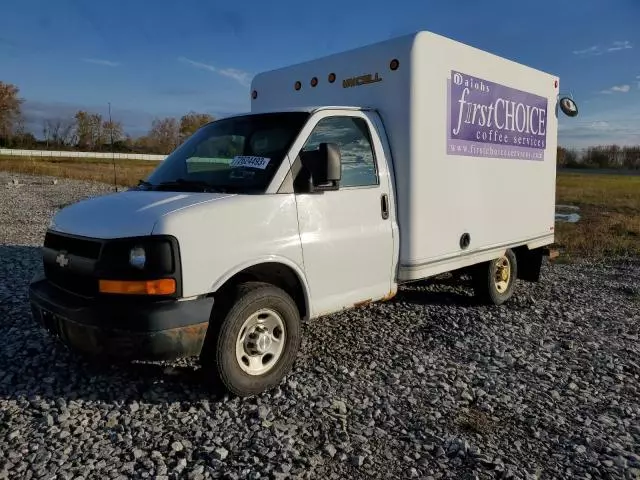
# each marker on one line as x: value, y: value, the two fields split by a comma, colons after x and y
x: 89, y: 131
x: 603, y: 156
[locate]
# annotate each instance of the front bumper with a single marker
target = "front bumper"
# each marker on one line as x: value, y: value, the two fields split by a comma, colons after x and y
x: 121, y: 328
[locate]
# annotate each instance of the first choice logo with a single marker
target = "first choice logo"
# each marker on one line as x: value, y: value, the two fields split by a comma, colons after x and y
x: 489, y: 112
x: 484, y: 113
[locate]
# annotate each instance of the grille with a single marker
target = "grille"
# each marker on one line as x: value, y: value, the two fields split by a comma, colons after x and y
x: 75, y: 246
x: 68, y: 278
x: 73, y: 282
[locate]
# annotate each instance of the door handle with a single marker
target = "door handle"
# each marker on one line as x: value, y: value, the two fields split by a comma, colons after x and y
x: 384, y: 206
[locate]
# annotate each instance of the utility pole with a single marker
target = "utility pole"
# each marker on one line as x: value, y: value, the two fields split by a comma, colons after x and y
x: 113, y: 155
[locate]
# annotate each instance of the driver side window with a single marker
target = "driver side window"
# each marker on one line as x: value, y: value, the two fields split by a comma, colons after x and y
x: 352, y: 136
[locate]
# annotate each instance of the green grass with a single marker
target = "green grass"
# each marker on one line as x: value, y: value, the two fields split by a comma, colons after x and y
x: 128, y: 172
x: 610, y: 215
x: 615, y: 192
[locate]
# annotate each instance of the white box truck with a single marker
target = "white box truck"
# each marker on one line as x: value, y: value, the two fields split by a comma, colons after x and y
x: 352, y: 174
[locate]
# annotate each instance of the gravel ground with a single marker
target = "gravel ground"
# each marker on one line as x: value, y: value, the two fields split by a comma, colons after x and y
x: 428, y: 385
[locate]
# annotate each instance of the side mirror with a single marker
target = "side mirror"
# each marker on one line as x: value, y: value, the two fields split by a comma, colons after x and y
x: 324, y: 165
x: 568, y: 107
x: 331, y: 158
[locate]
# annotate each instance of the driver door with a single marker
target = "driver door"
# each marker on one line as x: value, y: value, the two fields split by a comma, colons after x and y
x: 346, y: 234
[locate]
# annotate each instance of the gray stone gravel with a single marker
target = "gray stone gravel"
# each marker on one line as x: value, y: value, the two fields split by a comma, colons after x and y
x: 428, y: 385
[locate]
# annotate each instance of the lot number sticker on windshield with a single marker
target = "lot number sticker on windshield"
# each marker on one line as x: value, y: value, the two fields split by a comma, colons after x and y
x: 250, y: 161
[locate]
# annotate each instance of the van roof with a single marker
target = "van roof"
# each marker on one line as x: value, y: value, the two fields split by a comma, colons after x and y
x: 306, y: 109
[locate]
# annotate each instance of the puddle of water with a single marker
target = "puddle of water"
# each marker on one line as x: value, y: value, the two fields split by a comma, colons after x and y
x: 570, y: 216
x: 567, y: 207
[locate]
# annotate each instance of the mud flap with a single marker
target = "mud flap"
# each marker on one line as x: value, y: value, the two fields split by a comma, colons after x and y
x: 529, y: 263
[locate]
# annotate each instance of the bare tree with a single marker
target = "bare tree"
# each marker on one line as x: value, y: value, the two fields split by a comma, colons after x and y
x: 83, y: 129
x: 58, y: 131
x: 113, y: 130
x: 164, y: 135
x: 45, y: 131
x: 67, y: 133
x: 22, y: 138
x: 10, y: 108
x: 191, y: 122
x: 89, y: 130
x: 631, y: 158
x: 97, y: 132
x: 53, y: 127
x: 561, y: 157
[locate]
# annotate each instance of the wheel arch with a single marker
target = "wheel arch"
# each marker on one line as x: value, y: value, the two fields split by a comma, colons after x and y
x: 277, y: 271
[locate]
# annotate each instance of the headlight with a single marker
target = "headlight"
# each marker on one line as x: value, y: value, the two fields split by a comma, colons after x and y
x: 141, y: 258
x: 137, y: 265
x: 137, y: 257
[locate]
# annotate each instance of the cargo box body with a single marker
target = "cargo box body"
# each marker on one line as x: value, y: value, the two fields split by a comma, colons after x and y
x: 473, y: 141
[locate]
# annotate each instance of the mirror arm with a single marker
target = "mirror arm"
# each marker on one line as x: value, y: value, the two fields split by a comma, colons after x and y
x: 329, y: 186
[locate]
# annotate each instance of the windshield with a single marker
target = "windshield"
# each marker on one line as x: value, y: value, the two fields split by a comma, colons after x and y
x: 238, y: 154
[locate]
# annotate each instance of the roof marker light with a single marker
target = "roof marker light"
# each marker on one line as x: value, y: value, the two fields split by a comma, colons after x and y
x: 394, y: 64
x: 314, y: 81
x: 254, y: 94
x: 332, y: 77
x: 297, y: 85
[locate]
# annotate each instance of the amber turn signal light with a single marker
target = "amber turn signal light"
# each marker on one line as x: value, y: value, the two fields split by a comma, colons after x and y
x: 163, y: 286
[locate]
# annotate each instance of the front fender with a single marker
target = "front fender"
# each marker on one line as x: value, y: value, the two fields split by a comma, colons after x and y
x: 220, y: 281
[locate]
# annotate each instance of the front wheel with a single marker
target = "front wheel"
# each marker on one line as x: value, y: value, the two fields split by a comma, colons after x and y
x: 256, y: 340
x: 494, y: 281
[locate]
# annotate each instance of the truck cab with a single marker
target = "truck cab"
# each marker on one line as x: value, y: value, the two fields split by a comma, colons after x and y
x: 254, y: 223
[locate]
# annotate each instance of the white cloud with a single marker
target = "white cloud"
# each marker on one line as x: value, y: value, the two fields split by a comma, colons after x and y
x: 597, y: 50
x: 621, y: 88
x: 243, y: 78
x: 626, y: 45
x: 100, y: 61
x: 201, y: 65
x: 591, y: 51
x: 617, y: 89
x: 619, y: 125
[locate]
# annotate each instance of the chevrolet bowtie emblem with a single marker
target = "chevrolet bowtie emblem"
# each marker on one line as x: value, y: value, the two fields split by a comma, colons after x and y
x: 62, y: 259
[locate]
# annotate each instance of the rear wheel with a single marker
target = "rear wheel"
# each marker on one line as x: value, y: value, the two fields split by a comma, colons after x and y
x: 494, y: 281
x: 254, y: 340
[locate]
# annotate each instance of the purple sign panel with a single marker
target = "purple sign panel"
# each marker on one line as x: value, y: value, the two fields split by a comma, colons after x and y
x: 487, y: 119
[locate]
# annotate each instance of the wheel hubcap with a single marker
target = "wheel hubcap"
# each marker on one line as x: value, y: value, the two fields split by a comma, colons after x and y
x: 503, y: 274
x: 260, y: 342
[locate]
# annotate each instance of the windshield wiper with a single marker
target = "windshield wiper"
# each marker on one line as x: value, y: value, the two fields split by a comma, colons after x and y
x: 182, y: 182
x: 144, y: 183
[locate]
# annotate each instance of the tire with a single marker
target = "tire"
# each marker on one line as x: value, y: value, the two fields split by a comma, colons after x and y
x: 263, y: 314
x: 488, y: 289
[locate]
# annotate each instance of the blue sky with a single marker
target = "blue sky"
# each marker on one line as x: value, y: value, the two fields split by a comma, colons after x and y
x: 168, y: 57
